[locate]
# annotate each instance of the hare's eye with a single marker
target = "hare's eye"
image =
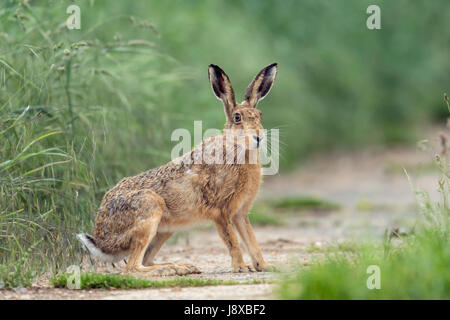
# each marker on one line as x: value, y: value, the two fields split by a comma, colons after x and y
x: 237, y: 117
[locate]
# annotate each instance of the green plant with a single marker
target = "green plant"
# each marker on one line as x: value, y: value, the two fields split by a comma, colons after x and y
x: 18, y: 274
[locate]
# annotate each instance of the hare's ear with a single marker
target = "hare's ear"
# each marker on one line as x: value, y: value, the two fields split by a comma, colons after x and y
x: 222, y: 88
x: 261, y: 84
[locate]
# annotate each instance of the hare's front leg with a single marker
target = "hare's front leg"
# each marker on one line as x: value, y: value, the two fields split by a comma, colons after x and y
x: 243, y: 226
x: 228, y: 236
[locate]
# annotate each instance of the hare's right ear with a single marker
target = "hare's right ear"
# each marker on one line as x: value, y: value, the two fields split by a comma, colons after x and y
x: 222, y: 88
x: 261, y: 84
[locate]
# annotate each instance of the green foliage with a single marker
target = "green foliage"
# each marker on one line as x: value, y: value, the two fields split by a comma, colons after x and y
x: 105, y: 281
x: 339, y: 83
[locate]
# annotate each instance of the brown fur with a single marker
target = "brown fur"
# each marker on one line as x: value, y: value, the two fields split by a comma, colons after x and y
x: 140, y: 213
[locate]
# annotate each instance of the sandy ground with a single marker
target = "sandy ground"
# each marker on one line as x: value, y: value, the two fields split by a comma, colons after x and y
x: 371, y: 187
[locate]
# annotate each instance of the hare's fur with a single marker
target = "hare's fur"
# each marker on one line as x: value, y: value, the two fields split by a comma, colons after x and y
x: 140, y: 213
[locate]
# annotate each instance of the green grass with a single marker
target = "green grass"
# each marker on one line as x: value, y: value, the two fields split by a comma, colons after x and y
x: 305, y: 203
x: 73, y: 114
x: 19, y: 274
x: 418, y: 269
x: 90, y: 280
x: 412, y: 267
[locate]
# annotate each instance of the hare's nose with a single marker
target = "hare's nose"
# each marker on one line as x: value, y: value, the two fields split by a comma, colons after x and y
x: 257, y: 139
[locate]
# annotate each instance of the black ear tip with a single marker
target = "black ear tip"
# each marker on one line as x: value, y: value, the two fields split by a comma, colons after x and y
x: 271, y: 69
x: 216, y: 68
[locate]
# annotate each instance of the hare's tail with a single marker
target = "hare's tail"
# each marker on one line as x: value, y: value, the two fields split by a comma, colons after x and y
x: 96, y: 252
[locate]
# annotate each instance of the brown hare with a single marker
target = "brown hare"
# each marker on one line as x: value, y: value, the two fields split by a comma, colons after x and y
x: 140, y: 213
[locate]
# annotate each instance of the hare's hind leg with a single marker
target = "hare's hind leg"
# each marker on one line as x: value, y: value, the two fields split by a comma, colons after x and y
x: 135, y: 263
x: 150, y: 210
x: 154, y: 246
x: 144, y: 234
x: 165, y: 269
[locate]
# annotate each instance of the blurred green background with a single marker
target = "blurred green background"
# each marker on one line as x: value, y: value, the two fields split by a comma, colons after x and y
x: 104, y: 99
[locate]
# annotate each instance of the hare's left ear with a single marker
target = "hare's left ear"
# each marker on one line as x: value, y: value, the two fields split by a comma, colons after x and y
x: 261, y: 85
x: 221, y: 85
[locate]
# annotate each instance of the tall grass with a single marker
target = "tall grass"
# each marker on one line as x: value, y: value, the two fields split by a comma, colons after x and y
x: 73, y: 120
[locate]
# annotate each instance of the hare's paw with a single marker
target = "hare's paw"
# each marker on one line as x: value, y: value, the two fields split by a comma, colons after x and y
x: 188, y: 268
x: 264, y: 267
x: 243, y: 269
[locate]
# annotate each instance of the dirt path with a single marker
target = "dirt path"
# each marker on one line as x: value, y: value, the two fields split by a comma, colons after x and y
x: 370, y: 186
